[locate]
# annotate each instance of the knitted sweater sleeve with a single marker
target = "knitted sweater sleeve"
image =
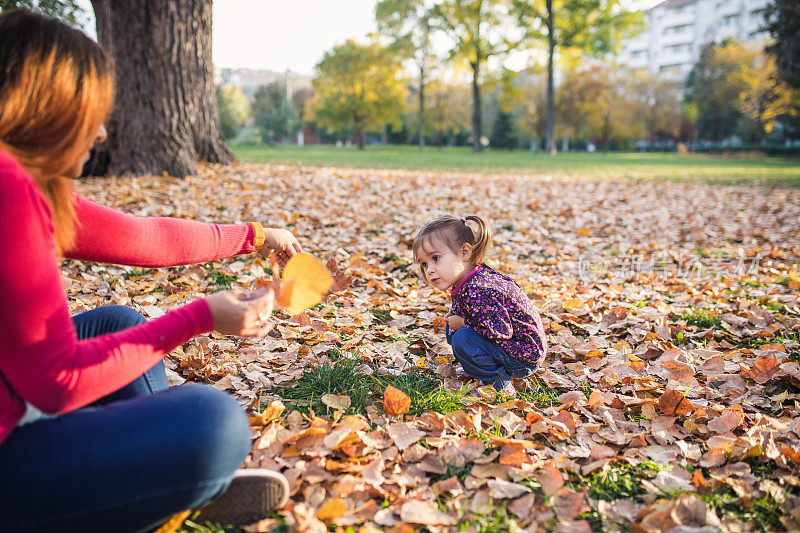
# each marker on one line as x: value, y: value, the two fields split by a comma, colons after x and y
x: 41, y: 359
x: 109, y: 236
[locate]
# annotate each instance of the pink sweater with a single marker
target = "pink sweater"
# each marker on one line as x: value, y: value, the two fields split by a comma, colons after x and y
x: 41, y: 359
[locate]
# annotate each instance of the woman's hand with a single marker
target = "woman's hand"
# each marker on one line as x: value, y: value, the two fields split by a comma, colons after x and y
x: 282, y: 242
x: 242, y: 313
x: 455, y: 322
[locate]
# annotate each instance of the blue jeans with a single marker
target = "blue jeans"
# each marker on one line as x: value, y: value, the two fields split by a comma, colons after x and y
x: 484, y: 360
x: 127, y: 462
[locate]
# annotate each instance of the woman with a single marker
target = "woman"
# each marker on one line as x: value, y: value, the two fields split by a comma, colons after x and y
x: 91, y: 438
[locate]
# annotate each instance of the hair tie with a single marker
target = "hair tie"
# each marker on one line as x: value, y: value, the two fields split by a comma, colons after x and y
x: 464, y: 220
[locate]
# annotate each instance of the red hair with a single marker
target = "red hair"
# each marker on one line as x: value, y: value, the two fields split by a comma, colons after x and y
x: 56, y: 89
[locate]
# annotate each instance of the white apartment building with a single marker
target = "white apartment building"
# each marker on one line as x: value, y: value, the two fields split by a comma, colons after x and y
x: 676, y: 31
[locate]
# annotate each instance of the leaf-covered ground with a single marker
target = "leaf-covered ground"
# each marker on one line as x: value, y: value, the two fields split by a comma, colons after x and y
x: 668, y: 399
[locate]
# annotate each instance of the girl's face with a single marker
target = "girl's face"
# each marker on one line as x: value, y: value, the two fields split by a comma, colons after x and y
x: 77, y: 167
x: 443, y: 268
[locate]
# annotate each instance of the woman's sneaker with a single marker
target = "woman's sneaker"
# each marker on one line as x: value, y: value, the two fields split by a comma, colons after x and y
x: 254, y: 494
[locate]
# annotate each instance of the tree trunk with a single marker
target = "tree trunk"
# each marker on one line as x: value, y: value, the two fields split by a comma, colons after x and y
x: 550, y: 146
x: 165, y: 114
x: 421, y: 108
x: 476, y: 108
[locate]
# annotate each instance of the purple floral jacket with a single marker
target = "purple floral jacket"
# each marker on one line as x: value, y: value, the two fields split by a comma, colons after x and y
x: 497, y: 308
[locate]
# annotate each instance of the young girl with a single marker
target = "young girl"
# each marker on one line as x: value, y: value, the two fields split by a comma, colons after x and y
x: 494, y: 329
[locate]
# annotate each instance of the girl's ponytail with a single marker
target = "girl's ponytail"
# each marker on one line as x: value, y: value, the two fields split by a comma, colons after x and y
x: 482, y: 238
x: 456, y: 232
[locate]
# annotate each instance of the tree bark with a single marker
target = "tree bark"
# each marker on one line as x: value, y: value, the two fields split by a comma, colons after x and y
x: 476, y: 108
x: 165, y: 113
x: 550, y: 145
x: 421, y: 108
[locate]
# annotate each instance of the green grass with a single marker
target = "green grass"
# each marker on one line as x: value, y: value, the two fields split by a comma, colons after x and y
x: 538, y: 393
x: 424, y: 389
x: 220, y: 280
x: 461, y: 472
x: 137, y: 272
x: 764, y: 513
x: 771, y: 171
x: 345, y: 376
x: 619, y: 480
x: 340, y: 377
x: 381, y: 316
x: 702, y: 319
x: 501, y: 521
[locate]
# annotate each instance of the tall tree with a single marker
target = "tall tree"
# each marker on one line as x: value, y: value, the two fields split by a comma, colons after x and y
x: 233, y: 109
x: 479, y: 29
x: 710, y: 92
x: 735, y: 88
x: 596, y: 27
x: 361, y: 86
x: 408, y: 22
x: 165, y: 114
x: 449, y: 110
x: 764, y: 97
x: 783, y: 23
x: 660, y: 103
x: 275, y: 114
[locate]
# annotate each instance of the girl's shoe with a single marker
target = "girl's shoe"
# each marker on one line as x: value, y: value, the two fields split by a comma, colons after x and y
x: 253, y: 495
x: 508, y: 390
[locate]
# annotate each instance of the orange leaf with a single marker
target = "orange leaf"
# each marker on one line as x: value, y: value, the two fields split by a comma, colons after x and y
x: 572, y: 303
x: 332, y: 509
x: 584, y: 232
x: 551, y: 478
x: 513, y: 454
x: 395, y: 402
x: 305, y: 282
x: 763, y: 370
x: 673, y: 403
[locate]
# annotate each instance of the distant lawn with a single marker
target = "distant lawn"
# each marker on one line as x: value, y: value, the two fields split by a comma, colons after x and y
x: 757, y: 170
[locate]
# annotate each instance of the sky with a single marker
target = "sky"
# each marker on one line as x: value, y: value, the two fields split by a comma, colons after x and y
x: 279, y: 35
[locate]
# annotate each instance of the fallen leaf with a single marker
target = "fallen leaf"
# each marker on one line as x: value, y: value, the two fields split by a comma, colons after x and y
x: 339, y: 402
x: 305, y: 281
x: 395, y: 402
x: 673, y: 403
x: 404, y: 435
x: 763, y: 369
x: 499, y: 488
x: 332, y: 509
x: 426, y: 513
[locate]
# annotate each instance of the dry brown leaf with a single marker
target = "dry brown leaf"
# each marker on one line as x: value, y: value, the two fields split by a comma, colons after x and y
x: 551, y: 479
x: 425, y: 513
x: 339, y: 402
x: 673, y: 403
x: 332, y: 509
x: 763, y: 369
x: 395, y: 402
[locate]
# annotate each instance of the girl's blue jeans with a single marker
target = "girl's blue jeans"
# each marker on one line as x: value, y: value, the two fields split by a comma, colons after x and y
x: 484, y: 360
x: 127, y: 462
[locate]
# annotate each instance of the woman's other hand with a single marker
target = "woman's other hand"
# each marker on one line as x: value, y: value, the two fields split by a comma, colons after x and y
x: 282, y: 242
x: 242, y: 313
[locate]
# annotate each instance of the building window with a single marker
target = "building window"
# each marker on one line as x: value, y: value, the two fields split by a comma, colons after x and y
x: 730, y: 20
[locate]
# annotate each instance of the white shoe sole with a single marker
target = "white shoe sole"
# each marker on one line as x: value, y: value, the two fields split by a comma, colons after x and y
x: 254, y: 494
